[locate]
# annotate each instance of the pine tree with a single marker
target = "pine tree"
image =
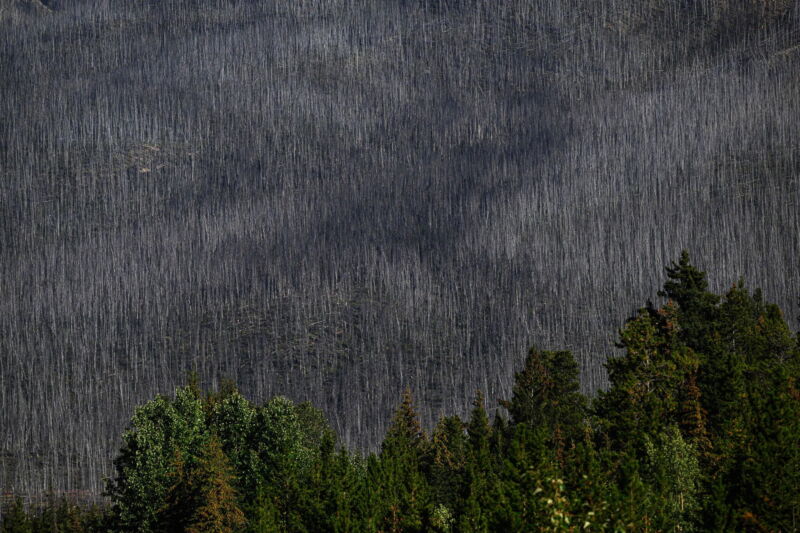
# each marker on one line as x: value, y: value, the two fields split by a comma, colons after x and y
x: 405, y: 434
x: 687, y: 286
x: 528, y: 470
x: 448, y: 460
x: 481, y: 480
x: 16, y: 519
x: 339, y: 481
x: 647, y: 382
x: 479, y: 431
x: 546, y: 394
x: 405, y: 493
x: 217, y: 510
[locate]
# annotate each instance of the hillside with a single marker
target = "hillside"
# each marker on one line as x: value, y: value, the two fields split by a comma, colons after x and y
x: 334, y: 202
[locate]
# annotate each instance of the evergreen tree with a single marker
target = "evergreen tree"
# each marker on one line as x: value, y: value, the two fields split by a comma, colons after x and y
x: 16, y: 519
x: 405, y: 435
x: 216, y: 508
x: 338, y: 483
x: 546, y: 394
x: 406, y: 494
x: 479, y: 432
x: 481, y: 480
x: 687, y: 286
x: 528, y: 470
x: 448, y: 461
x: 648, y: 381
x: 753, y: 414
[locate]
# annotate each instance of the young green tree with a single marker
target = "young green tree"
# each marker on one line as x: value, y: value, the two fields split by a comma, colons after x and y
x: 546, y: 394
x: 216, y: 509
x: 15, y: 518
x: 448, y: 461
x: 401, y: 481
x: 648, y: 381
x: 674, y: 471
x: 481, y: 480
x: 338, y: 487
x: 687, y: 286
x: 283, y: 453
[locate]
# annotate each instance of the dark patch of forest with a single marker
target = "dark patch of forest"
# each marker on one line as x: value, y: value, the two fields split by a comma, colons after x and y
x: 335, y: 201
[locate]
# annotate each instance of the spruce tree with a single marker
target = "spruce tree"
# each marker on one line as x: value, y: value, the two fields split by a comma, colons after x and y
x: 16, y: 519
x: 687, y: 286
x: 216, y: 509
x: 546, y: 393
x: 405, y: 493
x: 479, y: 431
x: 405, y: 435
x: 648, y: 381
x: 481, y: 481
x: 448, y: 460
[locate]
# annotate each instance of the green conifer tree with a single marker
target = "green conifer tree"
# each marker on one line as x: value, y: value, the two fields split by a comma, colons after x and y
x: 546, y: 394
x: 448, y: 461
x: 481, y: 478
x: 216, y: 510
x: 16, y: 519
x: 649, y: 382
x: 405, y: 492
x: 687, y: 286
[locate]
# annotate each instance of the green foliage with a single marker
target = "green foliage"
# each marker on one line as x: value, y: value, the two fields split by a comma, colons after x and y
x: 233, y: 420
x: 687, y: 286
x: 547, y: 394
x: 449, y: 450
x: 674, y: 471
x: 15, y: 519
x: 699, y: 430
x: 216, y: 510
x: 404, y: 490
x: 160, y: 430
x: 192, y: 461
x: 649, y: 383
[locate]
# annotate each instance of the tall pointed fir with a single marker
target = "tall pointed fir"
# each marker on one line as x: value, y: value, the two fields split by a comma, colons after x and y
x: 647, y: 382
x: 201, y: 498
x: 546, y: 394
x: 404, y: 491
x: 687, y: 286
x: 480, y: 476
x: 217, y: 509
